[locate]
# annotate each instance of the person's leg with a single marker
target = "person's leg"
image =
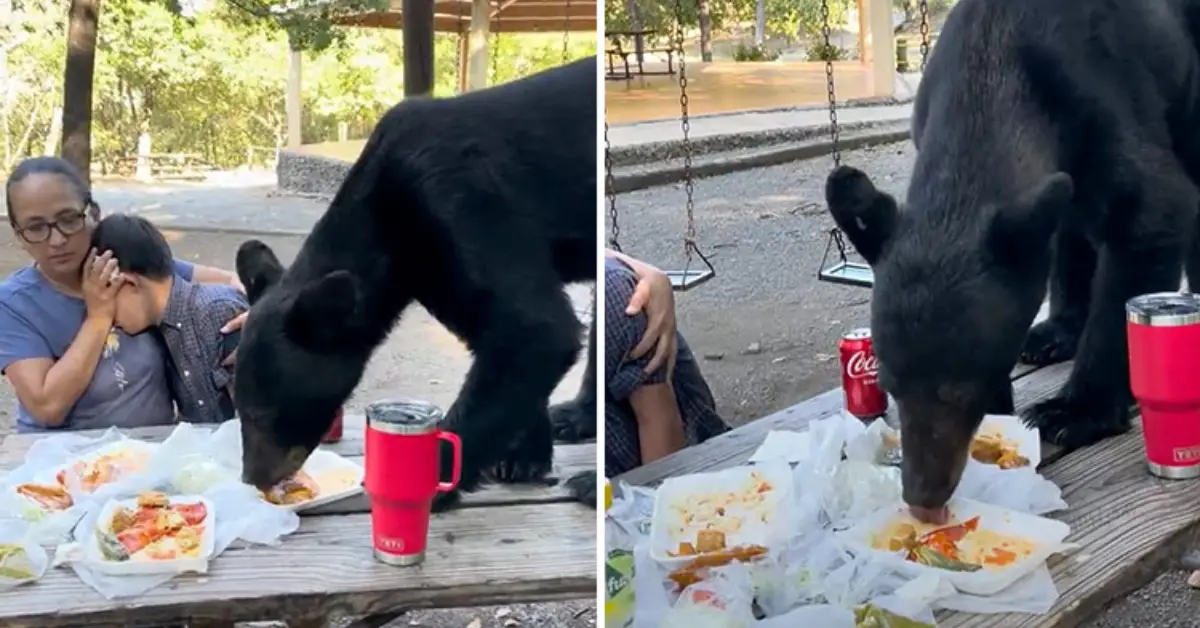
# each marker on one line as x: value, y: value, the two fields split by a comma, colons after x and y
x: 701, y: 421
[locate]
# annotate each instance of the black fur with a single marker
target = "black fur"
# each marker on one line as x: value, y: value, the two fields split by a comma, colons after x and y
x: 1057, y: 144
x: 481, y: 208
x: 575, y: 420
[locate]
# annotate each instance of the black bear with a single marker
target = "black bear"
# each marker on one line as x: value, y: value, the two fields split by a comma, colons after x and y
x: 1057, y: 144
x: 481, y: 208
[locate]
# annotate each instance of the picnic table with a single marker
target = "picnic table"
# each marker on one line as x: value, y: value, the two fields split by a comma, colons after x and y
x: 504, y: 544
x: 1130, y: 525
x: 618, y: 50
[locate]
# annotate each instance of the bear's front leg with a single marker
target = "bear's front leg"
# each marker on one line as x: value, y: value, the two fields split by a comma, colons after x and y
x: 1095, y: 402
x: 575, y: 421
x: 1056, y: 339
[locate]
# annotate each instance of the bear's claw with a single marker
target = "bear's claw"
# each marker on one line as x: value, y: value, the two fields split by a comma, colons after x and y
x: 1072, y: 424
x: 572, y: 423
x: 1050, y: 342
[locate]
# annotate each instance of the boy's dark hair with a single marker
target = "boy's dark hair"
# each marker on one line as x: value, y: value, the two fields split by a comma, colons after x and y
x: 139, y: 247
x: 45, y: 165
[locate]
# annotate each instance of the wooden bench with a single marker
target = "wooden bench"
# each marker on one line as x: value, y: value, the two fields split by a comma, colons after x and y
x: 618, y: 50
x: 506, y: 544
x: 1130, y: 524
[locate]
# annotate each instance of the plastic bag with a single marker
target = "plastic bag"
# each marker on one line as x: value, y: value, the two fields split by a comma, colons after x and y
x: 22, y: 559
x: 798, y: 573
x: 857, y: 489
x: 818, y: 615
x: 723, y: 600
x: 1023, y: 489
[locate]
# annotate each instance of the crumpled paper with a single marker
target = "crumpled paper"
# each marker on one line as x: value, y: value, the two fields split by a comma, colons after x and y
x: 238, y: 513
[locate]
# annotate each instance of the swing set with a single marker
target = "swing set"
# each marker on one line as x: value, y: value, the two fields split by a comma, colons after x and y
x: 842, y: 270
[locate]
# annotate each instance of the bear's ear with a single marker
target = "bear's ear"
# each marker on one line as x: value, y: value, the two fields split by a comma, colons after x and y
x: 866, y: 215
x: 1020, y: 234
x: 257, y: 268
x: 327, y: 313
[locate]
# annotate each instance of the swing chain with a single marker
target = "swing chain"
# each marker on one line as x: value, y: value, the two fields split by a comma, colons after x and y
x: 567, y: 31
x: 685, y: 124
x: 839, y: 243
x: 493, y: 55
x: 834, y: 130
x: 924, y: 34
x: 459, y: 79
x: 609, y: 190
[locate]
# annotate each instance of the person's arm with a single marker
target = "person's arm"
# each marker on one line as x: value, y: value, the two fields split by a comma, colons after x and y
x: 650, y: 394
x: 660, y: 428
x: 199, y: 273
x: 47, y: 388
x: 654, y: 295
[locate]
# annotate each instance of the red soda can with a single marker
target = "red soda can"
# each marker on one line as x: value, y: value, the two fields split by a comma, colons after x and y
x: 335, y: 431
x: 865, y: 398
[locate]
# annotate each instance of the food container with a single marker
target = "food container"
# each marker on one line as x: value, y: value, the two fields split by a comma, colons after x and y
x: 766, y: 524
x: 1027, y: 440
x: 1048, y: 535
x: 336, y: 477
x: 141, y: 450
x: 95, y: 559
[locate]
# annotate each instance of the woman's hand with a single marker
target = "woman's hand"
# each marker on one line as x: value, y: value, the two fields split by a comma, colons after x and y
x: 654, y: 295
x: 101, y: 282
x: 233, y: 325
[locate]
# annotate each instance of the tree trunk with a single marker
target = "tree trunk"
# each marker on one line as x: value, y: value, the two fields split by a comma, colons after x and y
x: 6, y: 11
x: 760, y: 23
x: 635, y: 24
x: 77, y: 85
x: 705, y: 31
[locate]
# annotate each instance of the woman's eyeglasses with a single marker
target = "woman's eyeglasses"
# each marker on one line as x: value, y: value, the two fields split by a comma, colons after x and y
x: 67, y: 224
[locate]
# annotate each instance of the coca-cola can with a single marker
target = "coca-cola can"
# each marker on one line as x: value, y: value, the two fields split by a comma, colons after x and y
x: 865, y: 398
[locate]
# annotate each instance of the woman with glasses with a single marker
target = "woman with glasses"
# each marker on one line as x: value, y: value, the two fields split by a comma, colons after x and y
x: 69, y: 367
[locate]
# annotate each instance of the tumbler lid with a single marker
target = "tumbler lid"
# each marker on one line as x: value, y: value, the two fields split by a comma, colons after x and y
x: 1164, y: 309
x: 403, y: 416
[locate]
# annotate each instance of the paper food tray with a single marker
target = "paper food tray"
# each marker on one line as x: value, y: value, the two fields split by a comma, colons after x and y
x: 668, y: 527
x: 337, y: 478
x: 1028, y: 440
x: 50, y: 476
x: 1048, y: 534
x: 95, y: 559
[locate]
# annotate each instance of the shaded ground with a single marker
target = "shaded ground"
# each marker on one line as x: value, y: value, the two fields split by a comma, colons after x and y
x: 420, y: 359
x: 766, y: 329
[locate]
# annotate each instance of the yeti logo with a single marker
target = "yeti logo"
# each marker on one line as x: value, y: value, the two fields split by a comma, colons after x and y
x: 389, y: 544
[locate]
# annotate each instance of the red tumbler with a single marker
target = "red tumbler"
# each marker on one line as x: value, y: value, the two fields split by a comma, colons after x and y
x: 335, y: 431
x: 403, y: 465
x: 1164, y: 340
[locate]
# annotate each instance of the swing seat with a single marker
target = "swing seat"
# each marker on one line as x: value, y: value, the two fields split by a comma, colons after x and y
x: 684, y: 280
x: 848, y: 274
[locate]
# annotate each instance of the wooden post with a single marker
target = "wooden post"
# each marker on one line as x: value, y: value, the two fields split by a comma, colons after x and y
x: 464, y: 61
x: 293, y: 99
x: 417, y: 17
x: 343, y: 131
x: 141, y: 171
x: 477, y: 73
x: 882, y: 48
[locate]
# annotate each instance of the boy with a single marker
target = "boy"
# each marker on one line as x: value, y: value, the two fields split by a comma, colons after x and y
x: 188, y: 316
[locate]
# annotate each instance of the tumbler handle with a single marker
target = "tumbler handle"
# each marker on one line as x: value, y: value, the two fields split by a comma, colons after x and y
x: 456, y: 467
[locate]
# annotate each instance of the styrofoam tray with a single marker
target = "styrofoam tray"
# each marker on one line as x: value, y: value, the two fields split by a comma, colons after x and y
x: 50, y: 476
x: 1048, y: 534
x: 668, y: 528
x: 1011, y: 428
x: 95, y: 559
x: 336, y: 477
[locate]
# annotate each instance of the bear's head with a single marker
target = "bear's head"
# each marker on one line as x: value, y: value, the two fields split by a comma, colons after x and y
x: 957, y: 283
x: 300, y: 356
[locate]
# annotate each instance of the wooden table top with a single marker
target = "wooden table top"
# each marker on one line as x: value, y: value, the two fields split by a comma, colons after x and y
x: 505, y: 544
x: 1130, y: 524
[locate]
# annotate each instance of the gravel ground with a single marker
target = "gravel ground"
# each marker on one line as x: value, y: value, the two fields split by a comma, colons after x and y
x: 420, y: 359
x: 767, y: 329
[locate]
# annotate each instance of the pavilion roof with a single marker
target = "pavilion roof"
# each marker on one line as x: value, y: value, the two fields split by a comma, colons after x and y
x: 507, y: 16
